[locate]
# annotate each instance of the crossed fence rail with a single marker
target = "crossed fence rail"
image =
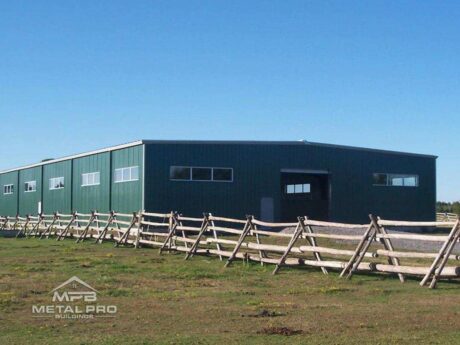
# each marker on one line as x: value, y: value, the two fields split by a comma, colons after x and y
x: 255, y: 240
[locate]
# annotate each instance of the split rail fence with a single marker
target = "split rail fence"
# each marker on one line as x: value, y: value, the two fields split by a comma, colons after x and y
x: 368, y: 248
x: 446, y: 217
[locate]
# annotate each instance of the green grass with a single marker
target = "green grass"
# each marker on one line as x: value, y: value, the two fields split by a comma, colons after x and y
x: 163, y: 299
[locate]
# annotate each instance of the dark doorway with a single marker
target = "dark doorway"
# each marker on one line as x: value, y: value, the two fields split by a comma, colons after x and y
x: 304, y: 194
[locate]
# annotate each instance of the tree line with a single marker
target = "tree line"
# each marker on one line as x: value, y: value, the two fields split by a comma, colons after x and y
x: 448, y: 207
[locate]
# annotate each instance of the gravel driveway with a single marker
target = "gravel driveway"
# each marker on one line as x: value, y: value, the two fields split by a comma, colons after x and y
x: 411, y: 245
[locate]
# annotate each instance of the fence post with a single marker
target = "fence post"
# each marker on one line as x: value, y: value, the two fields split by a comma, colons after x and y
x: 308, y: 230
x: 247, y: 228
x: 173, y: 223
x: 442, y: 253
x: 298, y: 231
x: 140, y: 216
x: 386, y: 243
x: 361, y: 249
x: 87, y: 227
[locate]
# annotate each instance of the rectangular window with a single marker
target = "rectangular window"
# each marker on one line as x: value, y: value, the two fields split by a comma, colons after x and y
x: 396, y: 180
x: 126, y: 174
x: 90, y: 179
x: 380, y: 179
x: 222, y: 174
x: 56, y: 183
x: 182, y: 173
x: 30, y: 186
x: 8, y: 189
x: 300, y: 188
x: 201, y: 174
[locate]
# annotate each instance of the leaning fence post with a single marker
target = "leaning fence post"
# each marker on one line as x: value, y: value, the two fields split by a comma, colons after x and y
x: 308, y: 230
x: 204, y: 227
x: 104, y: 231
x: 296, y: 234
x: 361, y: 249
x: 139, y: 228
x: 173, y: 223
x: 87, y: 227
x: 449, y: 249
x: 213, y: 226
x: 441, y: 254
x: 63, y: 233
x: 247, y: 228
x: 124, y: 238
x: 386, y: 243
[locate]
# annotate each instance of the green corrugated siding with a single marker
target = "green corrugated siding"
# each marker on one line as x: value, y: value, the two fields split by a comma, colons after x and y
x: 257, y: 175
x: 57, y: 200
x: 9, y: 202
x: 28, y: 201
x: 89, y: 198
x: 127, y: 196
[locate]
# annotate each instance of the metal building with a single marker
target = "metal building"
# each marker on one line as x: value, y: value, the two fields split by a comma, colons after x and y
x: 271, y: 180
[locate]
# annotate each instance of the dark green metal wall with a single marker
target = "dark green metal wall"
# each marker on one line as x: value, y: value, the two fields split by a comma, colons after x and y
x: 9, y: 202
x: 127, y: 196
x: 57, y: 200
x: 97, y: 197
x: 28, y: 201
x: 257, y: 174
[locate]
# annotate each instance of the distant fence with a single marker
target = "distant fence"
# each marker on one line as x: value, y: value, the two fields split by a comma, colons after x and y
x: 446, y: 217
x: 254, y: 240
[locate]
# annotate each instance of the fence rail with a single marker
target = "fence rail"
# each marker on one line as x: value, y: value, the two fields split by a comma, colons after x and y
x: 250, y: 239
x: 446, y: 217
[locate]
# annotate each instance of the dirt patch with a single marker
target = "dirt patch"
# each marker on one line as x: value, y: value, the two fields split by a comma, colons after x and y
x: 280, y: 331
x: 264, y: 313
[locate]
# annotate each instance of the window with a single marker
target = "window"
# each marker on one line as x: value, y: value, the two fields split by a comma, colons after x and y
x: 397, y: 180
x: 8, y: 189
x: 126, y: 174
x: 90, y: 179
x: 30, y: 186
x: 181, y: 173
x: 56, y: 183
x: 302, y: 188
x: 380, y: 179
x: 222, y: 174
x: 201, y: 174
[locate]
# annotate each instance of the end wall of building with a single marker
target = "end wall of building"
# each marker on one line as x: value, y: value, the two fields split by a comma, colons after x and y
x: 257, y: 176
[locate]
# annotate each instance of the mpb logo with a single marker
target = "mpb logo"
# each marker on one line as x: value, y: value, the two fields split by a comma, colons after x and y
x: 74, y: 299
x: 73, y: 296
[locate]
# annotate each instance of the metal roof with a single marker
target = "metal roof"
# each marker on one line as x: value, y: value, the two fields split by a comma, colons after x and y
x: 297, y: 142
x: 226, y: 142
x: 107, y: 149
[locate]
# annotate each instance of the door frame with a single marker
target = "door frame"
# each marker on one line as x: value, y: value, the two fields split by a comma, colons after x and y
x: 313, y: 172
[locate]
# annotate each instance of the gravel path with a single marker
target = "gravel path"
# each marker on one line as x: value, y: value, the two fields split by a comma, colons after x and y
x: 414, y: 245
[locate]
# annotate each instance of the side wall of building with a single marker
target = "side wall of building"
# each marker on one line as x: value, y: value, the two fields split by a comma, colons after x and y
x: 59, y: 199
x: 127, y: 196
x: 9, y: 202
x: 121, y: 196
x: 86, y: 198
x: 257, y: 175
x: 29, y: 200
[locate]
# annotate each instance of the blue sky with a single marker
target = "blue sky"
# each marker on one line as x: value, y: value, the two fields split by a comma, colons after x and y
x: 80, y: 75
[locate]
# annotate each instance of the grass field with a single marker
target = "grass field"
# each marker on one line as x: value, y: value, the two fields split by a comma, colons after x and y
x: 163, y: 299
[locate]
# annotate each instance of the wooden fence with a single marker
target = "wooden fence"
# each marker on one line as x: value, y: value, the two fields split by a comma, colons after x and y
x: 446, y: 217
x: 349, y: 248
